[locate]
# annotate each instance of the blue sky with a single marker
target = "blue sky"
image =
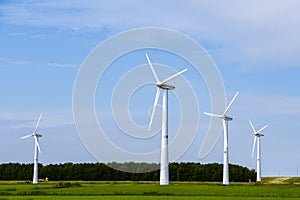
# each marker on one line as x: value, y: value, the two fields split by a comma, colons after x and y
x: 255, y: 46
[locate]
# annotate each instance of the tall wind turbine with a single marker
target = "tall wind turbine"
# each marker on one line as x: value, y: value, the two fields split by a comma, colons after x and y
x: 164, y: 159
x: 257, y: 135
x: 225, y: 120
x: 37, y: 149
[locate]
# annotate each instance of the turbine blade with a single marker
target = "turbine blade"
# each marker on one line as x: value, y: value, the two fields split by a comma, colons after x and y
x: 152, y: 69
x: 213, y: 115
x: 154, y: 107
x: 27, y: 136
x: 262, y: 129
x: 254, y: 143
x: 231, y: 102
x: 173, y: 76
x: 37, y: 143
x: 254, y: 131
x: 37, y: 124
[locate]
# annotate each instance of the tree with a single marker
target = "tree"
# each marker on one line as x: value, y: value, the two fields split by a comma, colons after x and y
x: 102, y: 172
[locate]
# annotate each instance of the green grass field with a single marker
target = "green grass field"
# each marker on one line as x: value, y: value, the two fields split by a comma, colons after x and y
x: 153, y: 191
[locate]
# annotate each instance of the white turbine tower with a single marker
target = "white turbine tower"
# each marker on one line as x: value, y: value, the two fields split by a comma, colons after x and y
x: 164, y: 159
x: 37, y: 149
x: 225, y: 120
x: 257, y: 135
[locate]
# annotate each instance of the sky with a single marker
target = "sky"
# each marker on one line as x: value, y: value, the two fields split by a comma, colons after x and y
x: 254, y: 45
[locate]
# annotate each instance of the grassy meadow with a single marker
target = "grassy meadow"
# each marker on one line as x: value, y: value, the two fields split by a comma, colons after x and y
x: 149, y: 190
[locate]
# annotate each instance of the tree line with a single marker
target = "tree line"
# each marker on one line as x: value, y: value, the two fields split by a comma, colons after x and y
x: 102, y: 172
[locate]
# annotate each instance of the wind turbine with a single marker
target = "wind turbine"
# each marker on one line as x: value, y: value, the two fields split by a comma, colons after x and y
x: 225, y: 120
x: 164, y: 159
x: 37, y: 149
x: 257, y: 135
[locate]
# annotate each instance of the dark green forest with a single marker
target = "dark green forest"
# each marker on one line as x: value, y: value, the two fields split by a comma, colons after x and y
x: 101, y: 172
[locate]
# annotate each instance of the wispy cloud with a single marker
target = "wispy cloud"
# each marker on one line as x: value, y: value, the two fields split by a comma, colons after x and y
x: 245, y: 34
x: 28, y: 120
x: 272, y: 105
x: 63, y: 65
x: 9, y: 61
x: 16, y: 34
x: 34, y: 36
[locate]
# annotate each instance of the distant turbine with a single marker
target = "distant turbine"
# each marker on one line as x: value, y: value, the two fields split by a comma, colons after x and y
x: 225, y: 120
x: 36, y: 136
x: 257, y: 135
x: 164, y: 159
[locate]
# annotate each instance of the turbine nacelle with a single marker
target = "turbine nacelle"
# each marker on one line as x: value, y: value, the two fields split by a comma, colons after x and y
x: 165, y: 86
x: 257, y: 134
x: 37, y: 150
x: 35, y: 135
x: 31, y: 135
x: 160, y: 85
x: 227, y: 118
x: 38, y: 135
x: 224, y: 116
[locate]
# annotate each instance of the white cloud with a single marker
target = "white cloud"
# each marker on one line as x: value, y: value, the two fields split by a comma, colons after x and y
x: 63, y: 65
x: 272, y: 105
x: 16, y: 34
x: 7, y: 61
x: 28, y: 120
x: 245, y: 33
